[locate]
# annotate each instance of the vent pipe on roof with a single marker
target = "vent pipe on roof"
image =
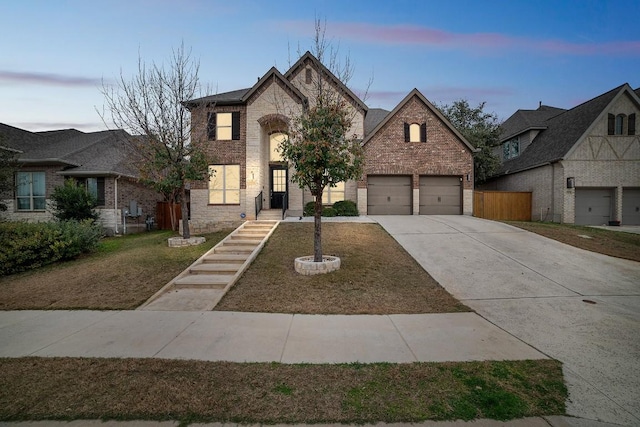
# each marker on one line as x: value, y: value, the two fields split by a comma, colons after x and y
x: 539, y: 104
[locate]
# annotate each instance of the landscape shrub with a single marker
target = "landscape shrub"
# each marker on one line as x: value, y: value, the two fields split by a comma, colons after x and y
x: 328, y: 211
x: 309, y: 208
x: 24, y: 246
x: 346, y: 208
x: 72, y: 201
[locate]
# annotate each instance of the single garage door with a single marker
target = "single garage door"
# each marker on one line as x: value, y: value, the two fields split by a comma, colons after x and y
x: 440, y: 195
x: 631, y: 206
x: 593, y: 206
x: 389, y: 195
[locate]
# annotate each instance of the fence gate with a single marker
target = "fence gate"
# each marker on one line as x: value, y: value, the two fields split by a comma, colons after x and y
x: 502, y: 205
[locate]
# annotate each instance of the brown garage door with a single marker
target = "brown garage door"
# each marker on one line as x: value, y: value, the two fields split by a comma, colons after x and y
x: 389, y: 195
x: 440, y: 195
x: 593, y: 206
x: 630, y: 206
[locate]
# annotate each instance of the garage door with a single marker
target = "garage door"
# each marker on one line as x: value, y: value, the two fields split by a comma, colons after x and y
x: 631, y: 206
x: 593, y: 206
x: 440, y: 195
x: 389, y: 195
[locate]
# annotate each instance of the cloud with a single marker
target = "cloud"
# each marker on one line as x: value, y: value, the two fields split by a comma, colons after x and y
x: 47, y: 79
x: 487, y: 42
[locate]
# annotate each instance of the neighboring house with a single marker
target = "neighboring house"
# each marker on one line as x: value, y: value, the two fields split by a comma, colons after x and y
x: 415, y: 161
x: 97, y: 160
x: 582, y: 165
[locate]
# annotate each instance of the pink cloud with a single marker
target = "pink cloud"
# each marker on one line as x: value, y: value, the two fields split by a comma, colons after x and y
x: 433, y: 37
x: 47, y: 79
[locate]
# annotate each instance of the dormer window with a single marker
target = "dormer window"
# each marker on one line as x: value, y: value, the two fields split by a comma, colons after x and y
x: 415, y: 132
x: 511, y: 148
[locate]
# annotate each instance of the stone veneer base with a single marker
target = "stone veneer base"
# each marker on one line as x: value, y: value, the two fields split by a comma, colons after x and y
x: 179, y: 242
x: 307, y: 267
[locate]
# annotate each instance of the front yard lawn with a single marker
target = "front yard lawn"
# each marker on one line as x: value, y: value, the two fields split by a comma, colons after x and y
x: 377, y: 276
x: 121, y: 275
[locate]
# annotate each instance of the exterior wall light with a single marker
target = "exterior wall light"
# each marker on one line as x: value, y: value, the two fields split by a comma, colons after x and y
x: 571, y: 182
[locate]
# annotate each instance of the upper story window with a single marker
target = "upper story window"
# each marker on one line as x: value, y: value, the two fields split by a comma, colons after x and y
x: 223, y: 126
x: 414, y: 132
x: 511, y: 148
x: 275, y: 139
x: 621, y: 124
x: 30, y: 191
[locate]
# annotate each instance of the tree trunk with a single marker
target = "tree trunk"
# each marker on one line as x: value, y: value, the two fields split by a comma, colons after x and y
x: 317, y: 233
x: 186, y: 233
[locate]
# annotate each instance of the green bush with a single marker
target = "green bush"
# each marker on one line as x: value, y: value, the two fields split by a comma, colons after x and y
x: 328, y: 211
x: 309, y: 208
x: 346, y: 208
x: 71, y: 201
x: 24, y: 246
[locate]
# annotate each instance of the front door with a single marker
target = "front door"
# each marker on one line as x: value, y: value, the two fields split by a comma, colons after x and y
x: 277, y: 185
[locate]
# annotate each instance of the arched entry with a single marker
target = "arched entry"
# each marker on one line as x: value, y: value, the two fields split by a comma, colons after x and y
x: 278, y: 173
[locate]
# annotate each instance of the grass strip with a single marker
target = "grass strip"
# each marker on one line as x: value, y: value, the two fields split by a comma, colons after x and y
x: 198, y: 391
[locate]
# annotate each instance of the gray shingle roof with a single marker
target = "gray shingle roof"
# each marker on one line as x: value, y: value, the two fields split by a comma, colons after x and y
x: 373, y: 118
x: 94, y: 153
x: 562, y: 132
x: 523, y: 120
x: 225, y: 98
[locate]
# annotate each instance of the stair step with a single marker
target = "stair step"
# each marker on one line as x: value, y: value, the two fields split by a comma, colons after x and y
x: 209, y: 268
x: 225, y: 259
x: 207, y: 281
x: 238, y: 250
x: 243, y: 242
x: 247, y: 236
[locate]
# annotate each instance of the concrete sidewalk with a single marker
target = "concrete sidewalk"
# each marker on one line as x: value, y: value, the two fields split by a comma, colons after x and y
x: 258, y: 337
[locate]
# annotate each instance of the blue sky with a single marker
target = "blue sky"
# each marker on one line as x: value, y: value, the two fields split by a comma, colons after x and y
x: 511, y: 54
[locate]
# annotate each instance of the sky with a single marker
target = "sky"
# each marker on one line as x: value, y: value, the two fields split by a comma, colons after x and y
x: 510, y: 54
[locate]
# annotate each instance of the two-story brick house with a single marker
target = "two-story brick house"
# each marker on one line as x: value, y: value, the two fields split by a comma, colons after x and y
x: 415, y: 161
x: 582, y: 165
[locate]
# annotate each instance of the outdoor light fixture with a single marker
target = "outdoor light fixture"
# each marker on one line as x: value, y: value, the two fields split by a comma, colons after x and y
x: 571, y: 182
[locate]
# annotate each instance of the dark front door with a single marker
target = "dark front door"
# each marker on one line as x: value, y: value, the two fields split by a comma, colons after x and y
x: 278, y: 185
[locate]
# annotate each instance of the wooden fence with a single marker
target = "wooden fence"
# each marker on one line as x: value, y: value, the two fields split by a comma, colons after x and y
x: 502, y: 205
x: 163, y: 215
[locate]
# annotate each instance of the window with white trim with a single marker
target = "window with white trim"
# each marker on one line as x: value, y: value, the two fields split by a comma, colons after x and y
x: 330, y: 195
x: 30, y: 191
x: 224, y: 184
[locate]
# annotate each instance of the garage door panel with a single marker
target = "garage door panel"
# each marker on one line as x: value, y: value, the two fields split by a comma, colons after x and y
x: 593, y: 206
x: 631, y: 206
x: 440, y: 195
x: 389, y: 195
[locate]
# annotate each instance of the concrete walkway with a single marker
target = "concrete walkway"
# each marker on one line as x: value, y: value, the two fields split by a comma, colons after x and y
x: 576, y: 306
x: 258, y: 337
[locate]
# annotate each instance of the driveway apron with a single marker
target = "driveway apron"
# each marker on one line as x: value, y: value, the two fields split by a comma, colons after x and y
x: 576, y: 306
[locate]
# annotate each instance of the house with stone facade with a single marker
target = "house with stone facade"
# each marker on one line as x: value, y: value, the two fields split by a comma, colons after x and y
x: 582, y: 165
x: 97, y: 160
x: 415, y: 161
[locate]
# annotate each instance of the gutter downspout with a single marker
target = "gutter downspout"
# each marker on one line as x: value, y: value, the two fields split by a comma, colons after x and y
x: 115, y: 203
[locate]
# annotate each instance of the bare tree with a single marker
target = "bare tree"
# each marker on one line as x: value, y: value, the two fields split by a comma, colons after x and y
x: 321, y: 145
x: 164, y: 146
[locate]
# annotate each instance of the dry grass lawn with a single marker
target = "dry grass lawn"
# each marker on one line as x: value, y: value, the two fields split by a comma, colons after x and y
x: 613, y: 243
x: 190, y: 391
x: 377, y: 276
x: 121, y: 275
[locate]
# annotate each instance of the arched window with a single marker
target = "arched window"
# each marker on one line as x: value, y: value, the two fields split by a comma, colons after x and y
x: 274, y: 142
x: 620, y: 124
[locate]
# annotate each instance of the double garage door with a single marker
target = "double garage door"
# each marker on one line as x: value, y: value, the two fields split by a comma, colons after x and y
x: 595, y: 206
x: 393, y: 195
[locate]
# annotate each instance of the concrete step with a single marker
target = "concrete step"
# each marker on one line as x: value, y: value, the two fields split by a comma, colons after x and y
x: 238, y: 250
x: 208, y: 268
x: 203, y: 281
x: 247, y: 236
x: 225, y: 259
x: 241, y: 242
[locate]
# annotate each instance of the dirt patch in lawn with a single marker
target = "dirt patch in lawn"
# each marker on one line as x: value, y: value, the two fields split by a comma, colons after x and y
x: 613, y: 243
x: 197, y: 391
x: 377, y: 276
x: 121, y: 275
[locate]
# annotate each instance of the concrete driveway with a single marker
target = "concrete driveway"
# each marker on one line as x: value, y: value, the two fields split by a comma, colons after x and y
x: 576, y: 306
